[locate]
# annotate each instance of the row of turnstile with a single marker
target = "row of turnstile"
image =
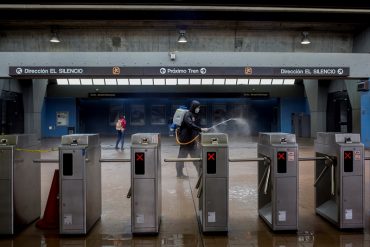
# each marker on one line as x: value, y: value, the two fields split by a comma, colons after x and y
x: 339, y: 181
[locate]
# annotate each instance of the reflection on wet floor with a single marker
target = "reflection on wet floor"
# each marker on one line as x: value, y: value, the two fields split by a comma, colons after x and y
x: 179, y: 226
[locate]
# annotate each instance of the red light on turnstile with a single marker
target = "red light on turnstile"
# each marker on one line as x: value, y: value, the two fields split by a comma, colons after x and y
x: 139, y: 157
x: 348, y: 155
x: 211, y: 156
x: 281, y: 155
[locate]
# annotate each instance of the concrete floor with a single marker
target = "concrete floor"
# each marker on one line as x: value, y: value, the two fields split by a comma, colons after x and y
x: 179, y: 226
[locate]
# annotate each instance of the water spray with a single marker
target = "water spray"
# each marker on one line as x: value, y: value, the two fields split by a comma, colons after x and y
x: 223, y: 122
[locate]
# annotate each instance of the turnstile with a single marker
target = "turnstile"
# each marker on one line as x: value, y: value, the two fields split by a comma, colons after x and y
x: 213, y: 184
x: 278, y: 180
x: 339, y: 186
x: 146, y: 192
x: 79, y: 183
x: 20, y: 188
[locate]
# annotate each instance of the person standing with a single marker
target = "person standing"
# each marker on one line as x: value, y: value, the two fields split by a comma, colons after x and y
x: 187, y: 137
x: 120, y: 127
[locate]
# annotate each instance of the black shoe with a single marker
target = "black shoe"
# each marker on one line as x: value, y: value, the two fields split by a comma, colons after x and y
x: 116, y: 148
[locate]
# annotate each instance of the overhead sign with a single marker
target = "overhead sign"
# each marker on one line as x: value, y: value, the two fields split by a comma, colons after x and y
x: 118, y: 71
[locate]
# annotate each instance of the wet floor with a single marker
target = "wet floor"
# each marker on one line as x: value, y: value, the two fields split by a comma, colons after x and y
x: 179, y: 226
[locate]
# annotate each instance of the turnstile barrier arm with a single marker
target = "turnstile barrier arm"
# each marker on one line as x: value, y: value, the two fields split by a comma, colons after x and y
x: 367, y: 158
x: 328, y: 162
x: 182, y: 159
x: 46, y: 161
x: 199, y: 181
x: 115, y: 160
x: 129, y: 193
x: 267, y: 180
x: 200, y: 191
x: 249, y: 159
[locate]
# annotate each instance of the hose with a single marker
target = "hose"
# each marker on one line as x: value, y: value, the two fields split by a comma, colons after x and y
x: 184, y: 143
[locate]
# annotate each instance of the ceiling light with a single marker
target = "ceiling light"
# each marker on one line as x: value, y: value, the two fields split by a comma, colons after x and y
x: 182, y: 38
x: 54, y: 37
x: 305, y: 40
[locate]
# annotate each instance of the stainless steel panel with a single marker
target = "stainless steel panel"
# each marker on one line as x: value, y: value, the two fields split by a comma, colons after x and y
x: 286, y: 207
x: 78, y: 162
x: 19, y: 140
x: 72, y: 207
x: 93, y: 186
x: 27, y: 202
x: 275, y: 138
x: 6, y: 207
x: 6, y: 162
x: 144, y: 205
x: 151, y: 160
x: 358, y: 159
x: 218, y: 139
x: 222, y: 156
x: 329, y: 138
x: 352, y: 208
x: 146, y: 138
x: 216, y: 204
x: 91, y: 140
x: 291, y: 161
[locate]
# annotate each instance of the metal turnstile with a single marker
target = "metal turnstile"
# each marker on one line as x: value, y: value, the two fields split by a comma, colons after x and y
x: 20, y: 188
x: 339, y: 185
x: 213, y: 183
x: 79, y: 183
x: 278, y: 180
x: 146, y: 192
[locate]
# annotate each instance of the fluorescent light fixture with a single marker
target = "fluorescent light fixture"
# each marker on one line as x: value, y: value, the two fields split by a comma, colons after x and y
x: 217, y: 81
x: 266, y: 81
x: 98, y: 81
x: 195, y: 81
x: 207, y: 81
x: 289, y: 81
x: 183, y: 81
x: 171, y: 81
x: 62, y: 81
x: 86, y: 82
x: 254, y: 81
x: 277, y: 81
x: 230, y: 81
x: 182, y: 38
x: 110, y: 82
x: 305, y: 40
x: 74, y: 81
x: 241, y: 82
x: 135, y: 81
x: 159, y: 81
x: 122, y: 81
x: 147, y: 81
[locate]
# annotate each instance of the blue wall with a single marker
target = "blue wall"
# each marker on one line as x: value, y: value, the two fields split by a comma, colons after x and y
x: 365, y: 118
x: 50, y: 108
x: 95, y: 115
x: 289, y: 106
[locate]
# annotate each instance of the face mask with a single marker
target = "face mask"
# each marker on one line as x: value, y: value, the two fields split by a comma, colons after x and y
x: 197, y: 110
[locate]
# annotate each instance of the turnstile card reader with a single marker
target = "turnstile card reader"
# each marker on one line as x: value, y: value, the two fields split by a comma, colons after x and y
x: 79, y: 183
x: 339, y: 186
x: 213, y: 191
x: 278, y: 180
x: 20, y: 188
x: 146, y: 193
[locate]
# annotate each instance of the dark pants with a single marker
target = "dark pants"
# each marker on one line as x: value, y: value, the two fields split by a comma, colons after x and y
x: 184, y: 151
x: 120, y: 137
